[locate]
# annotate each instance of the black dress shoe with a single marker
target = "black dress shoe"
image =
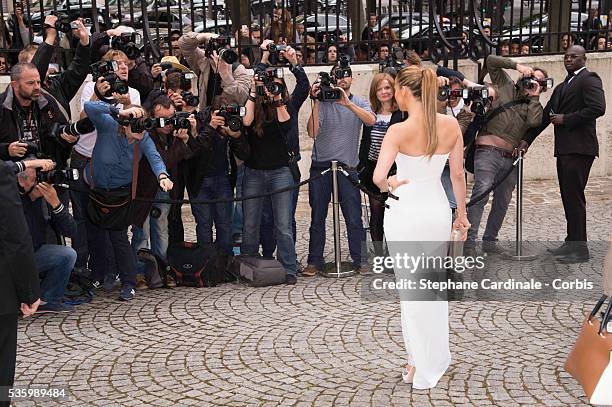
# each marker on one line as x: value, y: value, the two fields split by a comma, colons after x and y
x: 562, y: 250
x: 574, y: 258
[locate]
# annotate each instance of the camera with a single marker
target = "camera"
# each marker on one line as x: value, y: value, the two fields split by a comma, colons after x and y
x: 57, y: 176
x: 529, y: 82
x: 327, y: 93
x: 63, y: 23
x: 165, y: 65
x: 479, y: 98
x: 344, y: 69
x: 187, y: 79
x: 190, y: 99
x: 275, y: 51
x: 107, y: 71
x: 233, y: 115
x: 143, y: 123
x: 126, y: 42
x: 220, y: 45
x: 267, y: 77
x: 32, y: 149
x: 180, y: 120
x: 75, y: 129
x: 393, y: 63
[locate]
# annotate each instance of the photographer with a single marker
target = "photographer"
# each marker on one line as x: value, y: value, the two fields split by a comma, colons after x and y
x: 268, y: 123
x: 54, y: 263
x: 174, y: 144
x: 497, y: 142
x: 110, y: 173
x: 299, y: 95
x: 219, y: 82
x: 101, y: 260
x: 211, y: 174
x: 28, y: 117
x: 19, y: 281
x: 335, y: 126
x: 63, y: 87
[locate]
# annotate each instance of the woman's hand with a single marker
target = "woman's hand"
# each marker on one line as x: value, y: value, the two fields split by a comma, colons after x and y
x: 462, y: 224
x: 393, y: 183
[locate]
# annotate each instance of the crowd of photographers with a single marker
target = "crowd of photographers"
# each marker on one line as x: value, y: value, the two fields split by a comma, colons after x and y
x: 207, y: 126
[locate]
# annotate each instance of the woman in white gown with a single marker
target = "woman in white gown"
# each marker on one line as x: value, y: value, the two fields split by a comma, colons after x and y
x: 420, y: 146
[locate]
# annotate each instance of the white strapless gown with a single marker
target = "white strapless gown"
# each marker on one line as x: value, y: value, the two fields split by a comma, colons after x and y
x: 422, y: 214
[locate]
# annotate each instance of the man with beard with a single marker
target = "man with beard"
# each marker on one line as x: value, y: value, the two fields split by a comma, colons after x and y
x: 573, y: 108
x: 27, y: 118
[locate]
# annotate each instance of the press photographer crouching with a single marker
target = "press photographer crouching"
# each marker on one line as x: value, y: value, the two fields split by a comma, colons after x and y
x: 43, y: 209
x: 335, y: 124
x: 173, y: 134
x: 517, y: 108
x: 121, y: 142
x: 267, y: 125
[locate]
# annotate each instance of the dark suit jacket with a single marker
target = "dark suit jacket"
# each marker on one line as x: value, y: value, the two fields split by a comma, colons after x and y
x: 18, y: 276
x: 581, y: 102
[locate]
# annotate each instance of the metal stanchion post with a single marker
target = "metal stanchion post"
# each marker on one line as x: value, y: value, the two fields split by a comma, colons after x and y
x: 519, y: 253
x: 337, y: 270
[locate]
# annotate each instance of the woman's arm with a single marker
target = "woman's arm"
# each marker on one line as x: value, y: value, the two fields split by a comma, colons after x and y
x: 386, y: 158
x: 457, y: 175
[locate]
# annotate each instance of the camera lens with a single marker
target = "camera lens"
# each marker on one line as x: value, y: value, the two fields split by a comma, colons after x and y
x: 234, y: 123
x: 228, y: 55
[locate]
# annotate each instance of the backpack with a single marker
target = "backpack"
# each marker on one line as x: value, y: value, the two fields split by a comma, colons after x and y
x: 79, y: 289
x: 155, y: 269
x: 196, y: 265
x: 259, y: 272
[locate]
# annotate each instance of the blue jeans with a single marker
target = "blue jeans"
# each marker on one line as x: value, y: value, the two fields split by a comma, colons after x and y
x: 237, y: 209
x: 489, y: 167
x: 268, y: 242
x: 215, y: 187
x: 154, y: 233
x: 54, y: 263
x: 260, y: 181
x: 79, y: 207
x: 319, y: 196
x: 448, y: 187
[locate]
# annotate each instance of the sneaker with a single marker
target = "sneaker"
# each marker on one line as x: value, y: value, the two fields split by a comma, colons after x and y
x: 127, y: 293
x: 291, y: 279
x: 170, y: 281
x: 111, y: 281
x: 363, y: 269
x: 55, y: 308
x: 491, y: 247
x: 310, y: 271
x: 97, y: 284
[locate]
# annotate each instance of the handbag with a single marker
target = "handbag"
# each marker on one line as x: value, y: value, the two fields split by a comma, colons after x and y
x: 590, y: 361
x: 112, y: 209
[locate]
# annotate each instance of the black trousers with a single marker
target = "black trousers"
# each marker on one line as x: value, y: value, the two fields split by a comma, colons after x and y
x: 8, y: 355
x: 573, y: 173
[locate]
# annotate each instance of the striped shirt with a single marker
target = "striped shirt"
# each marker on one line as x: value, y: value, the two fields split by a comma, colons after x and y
x: 339, y: 132
x: 378, y: 133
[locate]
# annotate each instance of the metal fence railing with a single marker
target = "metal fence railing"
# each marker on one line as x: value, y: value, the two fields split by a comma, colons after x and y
x: 440, y: 30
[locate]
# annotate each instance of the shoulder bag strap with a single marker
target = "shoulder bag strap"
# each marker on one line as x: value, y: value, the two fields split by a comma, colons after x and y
x: 135, y: 163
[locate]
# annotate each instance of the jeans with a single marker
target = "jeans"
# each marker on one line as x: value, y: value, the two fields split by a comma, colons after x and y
x: 268, y: 242
x: 79, y: 207
x: 54, y: 264
x: 448, y: 187
x: 154, y: 233
x: 237, y: 210
x: 260, y: 181
x: 319, y: 195
x: 215, y: 187
x: 489, y: 167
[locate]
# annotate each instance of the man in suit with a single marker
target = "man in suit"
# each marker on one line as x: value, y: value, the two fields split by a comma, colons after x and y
x: 19, y: 285
x: 573, y: 108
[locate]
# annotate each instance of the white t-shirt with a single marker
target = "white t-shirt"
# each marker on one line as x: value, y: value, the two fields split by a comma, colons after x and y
x: 86, y: 142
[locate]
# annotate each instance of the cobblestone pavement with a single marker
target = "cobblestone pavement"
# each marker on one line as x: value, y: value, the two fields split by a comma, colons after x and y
x: 313, y: 344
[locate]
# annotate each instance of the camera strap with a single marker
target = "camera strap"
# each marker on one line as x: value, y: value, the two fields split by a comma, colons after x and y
x: 59, y: 106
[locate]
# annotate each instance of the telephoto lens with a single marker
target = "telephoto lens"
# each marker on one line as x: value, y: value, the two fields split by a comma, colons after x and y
x: 141, y: 124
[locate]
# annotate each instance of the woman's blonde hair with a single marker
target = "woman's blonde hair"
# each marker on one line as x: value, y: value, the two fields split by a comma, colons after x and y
x: 376, y: 81
x: 423, y: 83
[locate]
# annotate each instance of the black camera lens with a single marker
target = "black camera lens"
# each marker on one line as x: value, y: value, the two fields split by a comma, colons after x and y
x: 234, y: 123
x: 119, y: 87
x: 155, y: 213
x: 141, y: 124
x: 228, y: 55
x: 190, y: 99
